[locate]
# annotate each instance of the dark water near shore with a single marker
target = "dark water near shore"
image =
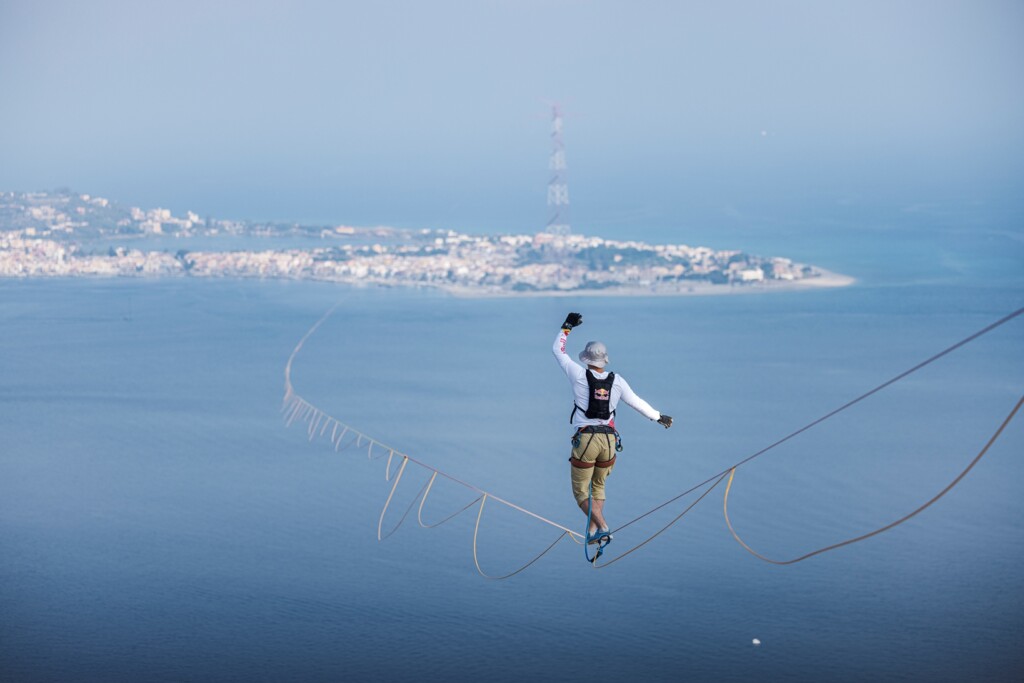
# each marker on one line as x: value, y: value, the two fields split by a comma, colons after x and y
x: 159, y: 523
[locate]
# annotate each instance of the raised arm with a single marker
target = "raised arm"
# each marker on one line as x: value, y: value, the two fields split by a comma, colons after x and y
x: 572, y: 320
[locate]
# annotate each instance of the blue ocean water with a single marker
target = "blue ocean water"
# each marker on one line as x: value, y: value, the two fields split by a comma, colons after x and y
x: 158, y: 522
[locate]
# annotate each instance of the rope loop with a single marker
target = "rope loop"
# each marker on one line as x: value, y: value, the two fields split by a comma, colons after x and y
x: 862, y: 537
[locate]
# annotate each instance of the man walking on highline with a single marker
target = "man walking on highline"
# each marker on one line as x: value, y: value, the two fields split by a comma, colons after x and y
x: 596, y: 394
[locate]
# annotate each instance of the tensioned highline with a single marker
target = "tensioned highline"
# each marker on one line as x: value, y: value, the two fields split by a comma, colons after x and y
x: 318, y: 422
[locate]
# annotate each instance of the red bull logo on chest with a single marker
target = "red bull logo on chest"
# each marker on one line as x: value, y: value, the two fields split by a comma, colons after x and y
x: 602, y: 394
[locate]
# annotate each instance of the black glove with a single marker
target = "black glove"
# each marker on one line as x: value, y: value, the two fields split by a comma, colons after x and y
x: 665, y: 421
x: 572, y: 320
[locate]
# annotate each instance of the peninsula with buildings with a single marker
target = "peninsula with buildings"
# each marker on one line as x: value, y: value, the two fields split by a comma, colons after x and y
x: 66, y: 234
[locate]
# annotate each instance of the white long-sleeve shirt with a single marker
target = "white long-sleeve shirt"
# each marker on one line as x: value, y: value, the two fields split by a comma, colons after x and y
x: 577, y: 375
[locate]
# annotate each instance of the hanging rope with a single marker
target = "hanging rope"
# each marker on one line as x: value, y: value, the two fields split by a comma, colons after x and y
x: 423, y: 501
x: 476, y: 560
x: 851, y: 541
x: 295, y: 408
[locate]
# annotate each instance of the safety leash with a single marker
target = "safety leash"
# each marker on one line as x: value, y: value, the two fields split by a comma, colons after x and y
x: 586, y: 532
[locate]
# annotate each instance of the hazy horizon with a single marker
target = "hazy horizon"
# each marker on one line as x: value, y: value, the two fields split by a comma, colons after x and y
x: 437, y: 115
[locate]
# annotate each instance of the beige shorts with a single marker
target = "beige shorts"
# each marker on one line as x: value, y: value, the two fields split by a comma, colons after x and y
x: 591, y: 463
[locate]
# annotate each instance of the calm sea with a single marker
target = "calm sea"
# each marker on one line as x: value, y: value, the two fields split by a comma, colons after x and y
x: 158, y: 522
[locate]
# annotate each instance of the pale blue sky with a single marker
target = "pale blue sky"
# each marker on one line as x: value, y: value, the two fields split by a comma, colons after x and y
x: 433, y: 114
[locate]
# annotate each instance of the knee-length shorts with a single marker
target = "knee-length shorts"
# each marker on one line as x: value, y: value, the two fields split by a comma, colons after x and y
x: 591, y: 463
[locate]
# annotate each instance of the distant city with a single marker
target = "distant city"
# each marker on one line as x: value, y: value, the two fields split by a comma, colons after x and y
x: 66, y: 234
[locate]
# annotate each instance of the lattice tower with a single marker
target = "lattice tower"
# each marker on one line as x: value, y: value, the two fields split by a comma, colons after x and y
x: 558, y: 187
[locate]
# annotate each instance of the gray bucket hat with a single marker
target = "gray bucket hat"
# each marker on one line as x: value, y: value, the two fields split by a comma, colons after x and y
x: 594, y: 354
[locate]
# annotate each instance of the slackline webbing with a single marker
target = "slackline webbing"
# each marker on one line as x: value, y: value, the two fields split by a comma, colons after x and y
x: 318, y: 422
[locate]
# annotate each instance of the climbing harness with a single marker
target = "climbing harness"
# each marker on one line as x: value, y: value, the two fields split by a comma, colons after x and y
x: 591, y: 430
x: 296, y: 408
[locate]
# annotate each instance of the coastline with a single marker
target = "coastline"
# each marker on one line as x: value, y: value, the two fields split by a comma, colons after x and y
x: 826, y: 280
